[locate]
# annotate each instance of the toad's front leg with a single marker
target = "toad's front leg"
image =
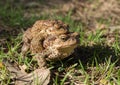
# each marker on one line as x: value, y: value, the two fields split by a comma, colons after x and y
x: 41, y: 60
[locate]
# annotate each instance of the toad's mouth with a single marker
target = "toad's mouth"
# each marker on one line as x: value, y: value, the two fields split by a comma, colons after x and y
x: 67, y: 50
x: 68, y: 47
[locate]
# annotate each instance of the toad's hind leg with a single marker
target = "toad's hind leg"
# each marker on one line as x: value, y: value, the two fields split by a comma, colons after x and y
x: 25, y: 49
x: 36, y: 45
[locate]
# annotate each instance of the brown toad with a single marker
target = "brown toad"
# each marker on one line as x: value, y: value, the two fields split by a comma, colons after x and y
x: 34, y: 36
x: 57, y: 48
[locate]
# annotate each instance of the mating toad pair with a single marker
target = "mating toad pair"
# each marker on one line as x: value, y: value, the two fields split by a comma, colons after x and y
x: 49, y: 40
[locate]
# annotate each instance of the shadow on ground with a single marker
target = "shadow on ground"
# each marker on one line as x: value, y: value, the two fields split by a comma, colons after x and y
x: 99, y: 52
x: 88, y: 54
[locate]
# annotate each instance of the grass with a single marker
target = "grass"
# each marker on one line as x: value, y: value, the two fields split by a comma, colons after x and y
x: 96, y: 61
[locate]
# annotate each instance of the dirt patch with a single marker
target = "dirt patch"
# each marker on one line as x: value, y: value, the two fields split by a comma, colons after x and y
x: 92, y: 13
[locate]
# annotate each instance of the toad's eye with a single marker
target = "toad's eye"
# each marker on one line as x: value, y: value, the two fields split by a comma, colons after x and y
x: 64, y: 38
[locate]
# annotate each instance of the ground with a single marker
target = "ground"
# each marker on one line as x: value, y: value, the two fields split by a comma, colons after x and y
x: 95, y: 61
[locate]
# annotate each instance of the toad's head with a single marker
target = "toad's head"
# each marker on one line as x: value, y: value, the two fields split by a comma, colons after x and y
x: 64, y: 43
